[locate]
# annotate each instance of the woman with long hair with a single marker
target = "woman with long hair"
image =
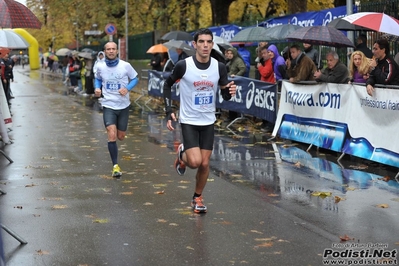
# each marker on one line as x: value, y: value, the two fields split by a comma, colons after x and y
x: 358, y: 67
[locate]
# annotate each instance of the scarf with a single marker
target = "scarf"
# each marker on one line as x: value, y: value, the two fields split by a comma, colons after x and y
x: 111, y: 63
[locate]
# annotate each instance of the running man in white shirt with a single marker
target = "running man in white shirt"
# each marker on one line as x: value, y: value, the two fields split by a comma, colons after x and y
x: 199, y: 77
x: 117, y: 79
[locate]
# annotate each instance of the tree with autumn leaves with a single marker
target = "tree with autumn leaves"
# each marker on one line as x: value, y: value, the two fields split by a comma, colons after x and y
x: 65, y: 20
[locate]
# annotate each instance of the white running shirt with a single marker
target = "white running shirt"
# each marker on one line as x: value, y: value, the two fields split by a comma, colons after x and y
x: 114, y: 78
x: 198, y: 90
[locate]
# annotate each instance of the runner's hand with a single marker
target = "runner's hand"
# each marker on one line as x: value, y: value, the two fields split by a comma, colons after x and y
x: 169, y: 124
x: 97, y: 92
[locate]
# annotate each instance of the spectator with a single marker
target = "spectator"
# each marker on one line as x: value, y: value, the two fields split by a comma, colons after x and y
x: 384, y: 69
x: 89, y: 76
x: 312, y: 53
x: 14, y: 60
x: 259, y: 57
x: 362, y: 46
x: 64, y: 64
x: 299, y: 67
x: 246, y: 57
x: 6, y: 75
x: 335, y: 72
x: 278, y: 62
x: 266, y: 68
x: 182, y: 54
x: 50, y: 63
x: 82, y: 79
x: 74, y: 71
x: 358, y: 67
x: 156, y: 62
x: 236, y: 67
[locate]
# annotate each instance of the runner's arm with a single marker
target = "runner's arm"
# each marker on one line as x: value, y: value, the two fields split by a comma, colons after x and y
x: 131, y: 84
x: 177, y: 73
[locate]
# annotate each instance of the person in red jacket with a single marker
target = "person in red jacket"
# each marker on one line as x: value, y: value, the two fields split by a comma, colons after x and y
x: 265, y: 69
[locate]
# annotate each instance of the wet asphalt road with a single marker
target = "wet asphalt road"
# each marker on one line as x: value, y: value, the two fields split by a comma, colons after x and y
x: 263, y: 207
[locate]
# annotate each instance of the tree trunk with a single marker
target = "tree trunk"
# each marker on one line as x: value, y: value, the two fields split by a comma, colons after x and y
x: 220, y: 11
x: 338, y: 3
x: 184, y: 7
x: 297, y: 6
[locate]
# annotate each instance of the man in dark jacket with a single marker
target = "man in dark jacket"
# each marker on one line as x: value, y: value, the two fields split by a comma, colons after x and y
x: 362, y: 46
x: 312, y: 53
x: 335, y: 72
x: 384, y: 69
x: 299, y: 66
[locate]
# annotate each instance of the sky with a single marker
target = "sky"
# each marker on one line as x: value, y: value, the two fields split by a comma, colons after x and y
x: 21, y: 1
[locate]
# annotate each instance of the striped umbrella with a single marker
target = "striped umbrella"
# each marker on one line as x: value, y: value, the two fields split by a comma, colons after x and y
x: 375, y: 21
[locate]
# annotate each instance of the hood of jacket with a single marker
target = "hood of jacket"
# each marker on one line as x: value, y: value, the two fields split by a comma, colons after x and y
x: 98, y: 56
x: 274, y: 50
x: 234, y: 51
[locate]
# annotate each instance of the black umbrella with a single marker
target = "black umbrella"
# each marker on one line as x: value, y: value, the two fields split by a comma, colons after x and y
x: 177, y: 35
x: 342, y: 24
x: 320, y: 35
x: 280, y: 32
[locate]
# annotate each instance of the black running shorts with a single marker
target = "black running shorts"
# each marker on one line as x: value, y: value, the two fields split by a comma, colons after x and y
x: 198, y: 136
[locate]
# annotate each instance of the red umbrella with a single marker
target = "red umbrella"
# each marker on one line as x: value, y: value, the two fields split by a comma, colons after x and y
x: 3, y: 51
x: 16, y: 15
x: 375, y: 21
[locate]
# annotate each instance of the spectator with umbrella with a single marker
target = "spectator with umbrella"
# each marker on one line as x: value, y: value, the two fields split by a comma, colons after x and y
x: 384, y: 69
x: 335, y: 72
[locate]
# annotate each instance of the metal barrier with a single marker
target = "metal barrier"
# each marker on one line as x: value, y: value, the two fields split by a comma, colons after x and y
x: 143, y: 91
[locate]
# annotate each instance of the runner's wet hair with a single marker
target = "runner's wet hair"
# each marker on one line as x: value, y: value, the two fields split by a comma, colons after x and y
x: 202, y: 31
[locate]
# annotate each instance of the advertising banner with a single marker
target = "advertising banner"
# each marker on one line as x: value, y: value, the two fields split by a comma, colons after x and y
x: 253, y: 97
x: 342, y: 118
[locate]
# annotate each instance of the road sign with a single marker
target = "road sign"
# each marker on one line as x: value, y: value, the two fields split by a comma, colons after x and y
x: 93, y: 32
x: 110, y: 29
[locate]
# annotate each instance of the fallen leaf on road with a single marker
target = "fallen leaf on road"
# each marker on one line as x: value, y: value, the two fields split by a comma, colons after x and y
x: 148, y: 204
x: 384, y: 205
x: 321, y: 194
x: 100, y: 221
x: 273, y: 195
x: 298, y: 164
x: 42, y: 252
x: 255, y: 231
x: 338, y: 199
x: 345, y: 238
x: 161, y: 221
x: 159, y: 192
x: 265, y: 245
x: 126, y: 193
x: 385, y: 178
x: 58, y: 207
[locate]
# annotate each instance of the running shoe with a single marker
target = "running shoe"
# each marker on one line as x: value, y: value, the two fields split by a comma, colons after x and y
x: 179, y: 164
x: 197, y: 205
x: 116, y: 171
